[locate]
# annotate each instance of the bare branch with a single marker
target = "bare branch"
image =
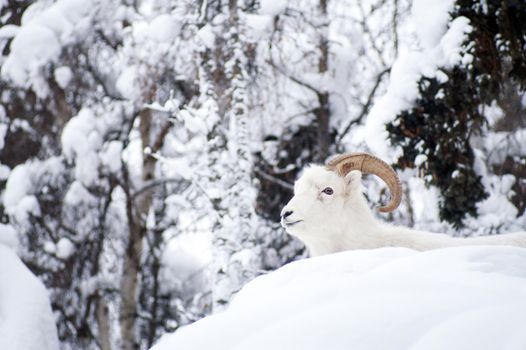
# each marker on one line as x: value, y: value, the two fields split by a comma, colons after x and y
x: 100, y: 80
x: 366, y: 107
x: 286, y: 185
x: 154, y: 183
x: 368, y: 33
x: 395, y: 27
x: 294, y: 79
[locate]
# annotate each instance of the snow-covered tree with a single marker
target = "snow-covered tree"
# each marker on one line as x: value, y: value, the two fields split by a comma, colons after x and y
x: 86, y: 194
x: 227, y: 172
x: 463, y: 130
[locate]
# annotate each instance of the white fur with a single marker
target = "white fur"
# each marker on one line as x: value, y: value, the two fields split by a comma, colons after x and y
x: 343, y: 220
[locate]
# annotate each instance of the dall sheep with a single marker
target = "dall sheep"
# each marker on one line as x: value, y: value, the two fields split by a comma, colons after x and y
x: 329, y: 213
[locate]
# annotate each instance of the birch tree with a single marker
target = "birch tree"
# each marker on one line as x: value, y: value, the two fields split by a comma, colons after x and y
x: 229, y: 166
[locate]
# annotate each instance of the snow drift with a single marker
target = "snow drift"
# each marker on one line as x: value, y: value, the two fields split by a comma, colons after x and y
x: 26, y: 319
x: 390, y: 298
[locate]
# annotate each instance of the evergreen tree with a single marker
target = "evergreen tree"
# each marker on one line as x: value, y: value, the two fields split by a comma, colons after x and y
x: 450, y: 112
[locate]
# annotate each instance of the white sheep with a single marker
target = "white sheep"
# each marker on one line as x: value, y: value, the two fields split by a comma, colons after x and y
x: 329, y: 213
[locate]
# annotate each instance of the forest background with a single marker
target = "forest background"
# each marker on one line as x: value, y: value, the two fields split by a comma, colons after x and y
x: 147, y: 147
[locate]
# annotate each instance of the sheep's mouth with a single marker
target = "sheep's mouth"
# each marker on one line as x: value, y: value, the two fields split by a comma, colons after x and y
x: 289, y: 224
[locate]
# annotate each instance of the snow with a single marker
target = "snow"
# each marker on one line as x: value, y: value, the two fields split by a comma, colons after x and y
x: 424, y: 201
x: 17, y: 198
x: 430, y: 18
x: 33, y: 46
x: 40, y: 39
x: 493, y: 113
x: 401, y: 93
x: 3, y: 132
x: 4, y: 170
x: 28, y: 205
x: 111, y: 156
x: 193, y: 123
x: 420, y: 159
x: 65, y: 248
x: 76, y: 194
x: 8, y: 236
x: 258, y: 27
x: 126, y: 83
x: 164, y: 28
x: 63, y: 76
x: 450, y: 45
x: 8, y: 31
x: 497, y: 210
x: 76, y: 132
x: 184, y: 261
x: 80, y: 141
x: 26, y: 319
x: 17, y: 186
x: 206, y: 35
x: 272, y: 7
x: 454, y: 298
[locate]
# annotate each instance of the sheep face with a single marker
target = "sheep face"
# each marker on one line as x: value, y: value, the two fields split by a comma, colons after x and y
x: 320, y: 203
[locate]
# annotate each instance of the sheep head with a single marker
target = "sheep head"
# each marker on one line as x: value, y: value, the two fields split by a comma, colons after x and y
x: 328, y: 199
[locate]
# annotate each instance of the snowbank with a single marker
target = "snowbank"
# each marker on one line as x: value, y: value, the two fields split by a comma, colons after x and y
x: 391, y: 298
x: 26, y: 319
x: 8, y: 236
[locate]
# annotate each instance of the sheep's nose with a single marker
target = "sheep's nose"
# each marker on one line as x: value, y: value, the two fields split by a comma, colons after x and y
x: 286, y: 214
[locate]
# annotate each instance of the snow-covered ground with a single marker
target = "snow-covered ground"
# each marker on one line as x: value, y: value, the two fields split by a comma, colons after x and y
x: 26, y: 319
x: 391, y: 298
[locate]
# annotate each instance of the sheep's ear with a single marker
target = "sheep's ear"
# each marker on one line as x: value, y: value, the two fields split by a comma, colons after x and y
x: 353, y: 180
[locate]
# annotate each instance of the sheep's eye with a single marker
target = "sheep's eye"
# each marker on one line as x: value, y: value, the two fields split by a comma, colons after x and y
x: 328, y: 190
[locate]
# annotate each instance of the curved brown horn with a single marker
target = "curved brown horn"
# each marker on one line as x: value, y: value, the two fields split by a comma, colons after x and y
x: 369, y: 164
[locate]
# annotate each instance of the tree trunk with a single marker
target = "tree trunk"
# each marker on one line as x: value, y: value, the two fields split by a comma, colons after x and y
x: 103, y: 324
x: 322, y: 113
x: 137, y: 212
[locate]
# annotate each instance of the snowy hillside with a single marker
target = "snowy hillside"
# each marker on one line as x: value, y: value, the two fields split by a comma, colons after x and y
x: 393, y: 298
x: 26, y: 320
